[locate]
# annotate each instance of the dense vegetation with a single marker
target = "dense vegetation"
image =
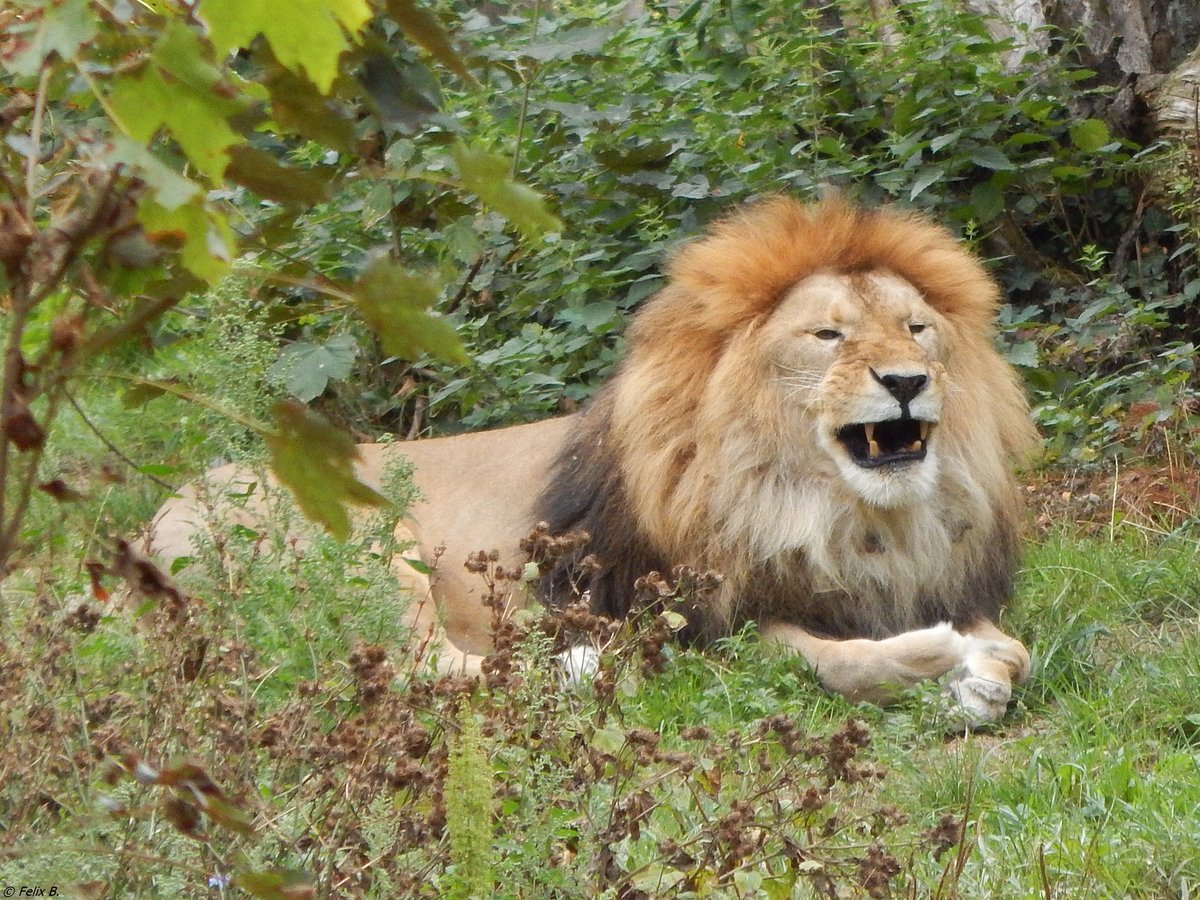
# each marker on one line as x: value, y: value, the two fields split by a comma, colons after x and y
x: 210, y: 238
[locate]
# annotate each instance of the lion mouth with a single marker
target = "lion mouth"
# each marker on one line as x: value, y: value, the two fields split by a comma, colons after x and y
x: 876, y: 444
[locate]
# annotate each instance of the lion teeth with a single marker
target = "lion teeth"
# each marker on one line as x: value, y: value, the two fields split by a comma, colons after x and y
x: 924, y: 431
x: 872, y: 446
x: 914, y: 447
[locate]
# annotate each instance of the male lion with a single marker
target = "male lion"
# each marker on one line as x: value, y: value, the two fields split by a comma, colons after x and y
x: 812, y: 407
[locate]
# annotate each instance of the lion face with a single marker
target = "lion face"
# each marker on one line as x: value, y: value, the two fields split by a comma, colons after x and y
x: 859, y: 356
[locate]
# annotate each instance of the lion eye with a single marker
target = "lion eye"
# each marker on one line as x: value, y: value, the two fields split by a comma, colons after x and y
x: 917, y: 327
x: 827, y: 334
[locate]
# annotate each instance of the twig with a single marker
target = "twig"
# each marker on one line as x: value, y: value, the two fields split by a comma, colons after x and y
x: 78, y: 234
x: 419, y: 404
x: 35, y: 139
x: 113, y: 447
x: 12, y: 527
x: 466, y: 284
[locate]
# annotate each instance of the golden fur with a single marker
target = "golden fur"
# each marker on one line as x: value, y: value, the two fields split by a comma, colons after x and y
x: 812, y: 406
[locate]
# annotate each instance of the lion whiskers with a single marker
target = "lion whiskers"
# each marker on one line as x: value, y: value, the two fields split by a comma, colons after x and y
x: 798, y: 386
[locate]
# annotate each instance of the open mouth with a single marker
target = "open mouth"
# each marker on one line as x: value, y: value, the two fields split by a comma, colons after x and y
x: 875, y: 444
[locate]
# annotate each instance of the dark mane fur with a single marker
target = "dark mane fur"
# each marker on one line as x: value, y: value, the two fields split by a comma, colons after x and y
x: 586, y: 493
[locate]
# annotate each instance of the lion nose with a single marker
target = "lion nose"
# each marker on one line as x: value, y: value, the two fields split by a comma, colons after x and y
x: 903, y: 387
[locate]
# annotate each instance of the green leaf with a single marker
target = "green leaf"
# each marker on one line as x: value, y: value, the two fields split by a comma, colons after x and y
x: 608, y: 740
x: 568, y: 44
x: 405, y: 93
x: 315, y: 460
x: 944, y: 140
x: 422, y: 27
x: 1023, y: 353
x: 299, y: 108
x: 656, y: 879
x: 267, y: 177
x: 928, y: 175
x: 179, y: 91
x: 142, y: 392
x: 277, y: 884
x: 310, y: 367
x: 202, y: 235
x: 61, y: 29
x: 395, y: 302
x: 991, y: 157
x: 987, y: 201
x: 487, y: 176
x: 418, y: 565
x: 695, y: 188
x: 1089, y: 135
x: 305, y: 35
x: 170, y: 189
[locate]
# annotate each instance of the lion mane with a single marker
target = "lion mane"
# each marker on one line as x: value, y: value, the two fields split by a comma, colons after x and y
x: 685, y: 457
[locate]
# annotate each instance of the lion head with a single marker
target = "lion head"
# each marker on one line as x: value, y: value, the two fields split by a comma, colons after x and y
x: 815, y: 407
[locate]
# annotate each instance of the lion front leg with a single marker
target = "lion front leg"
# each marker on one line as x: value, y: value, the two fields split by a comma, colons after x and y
x: 982, y: 663
x: 424, y: 618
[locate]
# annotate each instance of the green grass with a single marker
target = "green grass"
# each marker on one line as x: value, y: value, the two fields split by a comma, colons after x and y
x: 288, y: 685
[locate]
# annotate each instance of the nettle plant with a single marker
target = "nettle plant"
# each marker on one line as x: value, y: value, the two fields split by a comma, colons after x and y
x: 645, y: 128
x: 150, y: 150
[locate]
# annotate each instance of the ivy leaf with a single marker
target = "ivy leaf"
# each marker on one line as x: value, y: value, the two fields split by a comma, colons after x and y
x: 486, y: 175
x: 178, y: 90
x: 422, y: 27
x: 315, y: 460
x: 305, y: 35
x: 308, y: 368
x: 396, y: 304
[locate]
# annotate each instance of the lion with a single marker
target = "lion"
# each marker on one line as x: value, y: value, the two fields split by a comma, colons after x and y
x: 812, y: 407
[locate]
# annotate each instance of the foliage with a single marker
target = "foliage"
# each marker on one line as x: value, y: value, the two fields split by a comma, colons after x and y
x: 129, y: 129
x: 681, y: 116
x: 469, y: 810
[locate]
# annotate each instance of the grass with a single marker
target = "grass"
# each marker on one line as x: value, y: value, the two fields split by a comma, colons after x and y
x: 274, y: 741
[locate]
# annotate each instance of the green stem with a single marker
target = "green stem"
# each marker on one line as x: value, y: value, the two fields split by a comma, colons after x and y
x: 233, y: 415
x: 516, y: 166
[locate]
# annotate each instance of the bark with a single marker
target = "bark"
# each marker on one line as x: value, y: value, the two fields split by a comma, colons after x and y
x: 1134, y: 46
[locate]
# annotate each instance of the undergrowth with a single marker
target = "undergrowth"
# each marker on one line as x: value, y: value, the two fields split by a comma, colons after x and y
x: 270, y: 734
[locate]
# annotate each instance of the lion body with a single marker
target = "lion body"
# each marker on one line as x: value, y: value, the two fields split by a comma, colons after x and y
x: 813, y: 407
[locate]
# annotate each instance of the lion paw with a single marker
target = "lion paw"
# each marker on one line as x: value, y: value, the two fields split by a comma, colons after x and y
x: 578, y: 664
x: 980, y: 700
